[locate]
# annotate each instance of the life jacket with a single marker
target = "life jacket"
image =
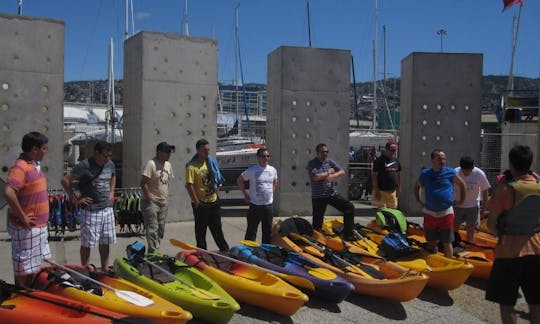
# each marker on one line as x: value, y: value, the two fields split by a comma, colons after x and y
x: 524, y: 217
x: 392, y: 220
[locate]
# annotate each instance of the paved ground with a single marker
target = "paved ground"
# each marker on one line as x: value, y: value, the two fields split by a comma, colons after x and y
x: 463, y: 305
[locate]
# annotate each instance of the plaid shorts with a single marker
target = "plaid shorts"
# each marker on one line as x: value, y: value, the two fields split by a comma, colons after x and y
x: 97, y: 227
x: 28, y: 249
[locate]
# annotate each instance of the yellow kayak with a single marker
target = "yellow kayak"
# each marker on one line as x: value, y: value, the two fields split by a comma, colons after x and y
x: 247, y: 284
x: 444, y: 273
x: 59, y: 282
x: 370, y: 276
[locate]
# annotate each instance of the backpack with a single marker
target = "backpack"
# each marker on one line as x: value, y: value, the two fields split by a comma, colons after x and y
x: 395, y: 245
x: 392, y: 220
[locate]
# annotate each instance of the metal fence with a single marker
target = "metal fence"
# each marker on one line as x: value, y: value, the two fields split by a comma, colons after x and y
x: 491, y: 153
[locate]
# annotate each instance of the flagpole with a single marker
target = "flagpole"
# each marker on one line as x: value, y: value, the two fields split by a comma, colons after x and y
x: 515, y: 32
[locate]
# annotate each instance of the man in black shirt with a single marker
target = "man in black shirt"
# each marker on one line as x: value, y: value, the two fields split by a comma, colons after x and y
x: 386, y: 178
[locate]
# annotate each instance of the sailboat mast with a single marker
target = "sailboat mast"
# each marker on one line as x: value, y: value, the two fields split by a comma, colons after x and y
x: 185, y: 22
x: 515, y: 30
x: 111, y: 96
x: 374, y: 121
x: 308, y: 22
x: 236, y: 66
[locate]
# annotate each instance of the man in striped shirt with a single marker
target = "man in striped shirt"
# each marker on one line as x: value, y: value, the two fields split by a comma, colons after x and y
x: 322, y: 173
x: 26, y: 194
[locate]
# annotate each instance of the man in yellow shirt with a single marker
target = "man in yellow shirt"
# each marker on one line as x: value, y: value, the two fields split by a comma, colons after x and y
x: 203, y: 179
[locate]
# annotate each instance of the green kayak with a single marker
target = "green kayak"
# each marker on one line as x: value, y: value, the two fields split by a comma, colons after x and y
x: 188, y: 288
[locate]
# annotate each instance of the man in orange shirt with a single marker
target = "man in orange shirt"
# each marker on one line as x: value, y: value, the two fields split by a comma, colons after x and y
x: 26, y: 194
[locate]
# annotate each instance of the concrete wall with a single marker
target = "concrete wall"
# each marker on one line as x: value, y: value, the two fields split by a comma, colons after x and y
x: 170, y: 95
x: 440, y: 108
x: 308, y: 103
x: 513, y: 134
x: 31, y: 91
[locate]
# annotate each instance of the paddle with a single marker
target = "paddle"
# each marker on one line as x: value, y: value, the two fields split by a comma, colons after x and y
x: 312, y: 269
x: 364, y: 269
x: 295, y: 280
x: 201, y: 293
x: 129, y: 296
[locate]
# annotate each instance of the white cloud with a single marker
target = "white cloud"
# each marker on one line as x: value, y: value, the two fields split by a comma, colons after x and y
x: 142, y: 15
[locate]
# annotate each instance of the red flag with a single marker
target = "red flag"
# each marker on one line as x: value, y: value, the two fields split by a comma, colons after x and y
x: 508, y: 3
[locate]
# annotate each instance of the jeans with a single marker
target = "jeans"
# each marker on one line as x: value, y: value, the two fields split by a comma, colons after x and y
x: 207, y: 215
x: 338, y: 202
x: 259, y: 214
x: 154, y: 215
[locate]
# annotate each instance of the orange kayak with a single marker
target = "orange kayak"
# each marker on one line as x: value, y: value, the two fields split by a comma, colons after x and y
x: 19, y: 305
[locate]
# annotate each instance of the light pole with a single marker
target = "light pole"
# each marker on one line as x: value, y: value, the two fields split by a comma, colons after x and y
x: 441, y: 32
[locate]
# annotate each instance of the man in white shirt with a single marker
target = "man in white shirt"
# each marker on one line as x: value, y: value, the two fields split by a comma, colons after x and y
x: 477, y: 186
x: 155, y: 180
x: 263, y: 181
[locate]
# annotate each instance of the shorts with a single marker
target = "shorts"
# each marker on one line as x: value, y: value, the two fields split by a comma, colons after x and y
x: 97, y: 227
x: 388, y: 199
x: 469, y: 215
x: 28, y: 249
x: 439, y: 228
x: 507, y: 275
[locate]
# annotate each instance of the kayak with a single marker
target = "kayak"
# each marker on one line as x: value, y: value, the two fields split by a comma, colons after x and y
x: 187, y: 287
x: 481, y: 257
x: 483, y: 236
x: 247, y: 284
x: 60, y: 282
x: 327, y: 285
x: 376, y: 277
x: 444, y: 273
x: 20, y: 305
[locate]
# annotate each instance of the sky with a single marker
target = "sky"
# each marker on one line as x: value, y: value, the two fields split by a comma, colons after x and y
x: 472, y: 26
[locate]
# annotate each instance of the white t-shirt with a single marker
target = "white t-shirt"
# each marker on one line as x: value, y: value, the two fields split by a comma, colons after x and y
x: 160, y: 175
x: 475, y: 183
x: 261, y: 183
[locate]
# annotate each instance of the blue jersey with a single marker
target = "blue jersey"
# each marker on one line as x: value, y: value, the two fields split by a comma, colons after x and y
x: 438, y: 188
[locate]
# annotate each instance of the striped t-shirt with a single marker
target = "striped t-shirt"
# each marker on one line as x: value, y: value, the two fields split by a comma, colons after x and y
x: 31, y: 187
x: 321, y: 188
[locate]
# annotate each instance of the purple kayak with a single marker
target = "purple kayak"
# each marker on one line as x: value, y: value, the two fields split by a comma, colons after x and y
x: 327, y: 284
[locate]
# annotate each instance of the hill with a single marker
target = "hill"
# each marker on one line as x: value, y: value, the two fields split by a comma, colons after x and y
x: 493, y: 87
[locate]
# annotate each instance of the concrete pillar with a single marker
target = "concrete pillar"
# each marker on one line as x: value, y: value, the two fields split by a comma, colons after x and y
x: 308, y: 103
x: 440, y: 109
x: 31, y: 90
x: 170, y: 95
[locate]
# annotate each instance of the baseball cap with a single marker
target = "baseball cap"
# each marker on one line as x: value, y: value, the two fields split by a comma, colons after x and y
x: 391, y: 145
x: 165, y: 147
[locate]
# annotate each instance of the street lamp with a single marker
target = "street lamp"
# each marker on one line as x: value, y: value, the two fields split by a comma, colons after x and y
x: 441, y: 32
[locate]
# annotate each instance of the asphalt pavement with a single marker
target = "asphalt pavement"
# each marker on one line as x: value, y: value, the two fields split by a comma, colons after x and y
x: 465, y: 304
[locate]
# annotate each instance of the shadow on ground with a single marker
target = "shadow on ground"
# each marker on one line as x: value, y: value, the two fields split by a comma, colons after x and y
x: 380, y: 306
x: 435, y: 296
x: 262, y: 314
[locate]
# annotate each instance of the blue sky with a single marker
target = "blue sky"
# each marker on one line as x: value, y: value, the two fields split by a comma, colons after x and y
x: 473, y: 26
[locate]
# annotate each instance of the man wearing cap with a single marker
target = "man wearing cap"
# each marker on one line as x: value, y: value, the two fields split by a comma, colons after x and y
x: 155, y: 188
x: 386, y: 178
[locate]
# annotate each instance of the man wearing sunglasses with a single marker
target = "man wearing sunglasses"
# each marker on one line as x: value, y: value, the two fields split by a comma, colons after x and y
x: 322, y: 173
x: 97, y: 180
x: 263, y: 180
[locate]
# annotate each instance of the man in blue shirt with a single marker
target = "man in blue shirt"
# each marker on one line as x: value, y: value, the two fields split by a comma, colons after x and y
x: 322, y: 173
x: 438, y: 183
